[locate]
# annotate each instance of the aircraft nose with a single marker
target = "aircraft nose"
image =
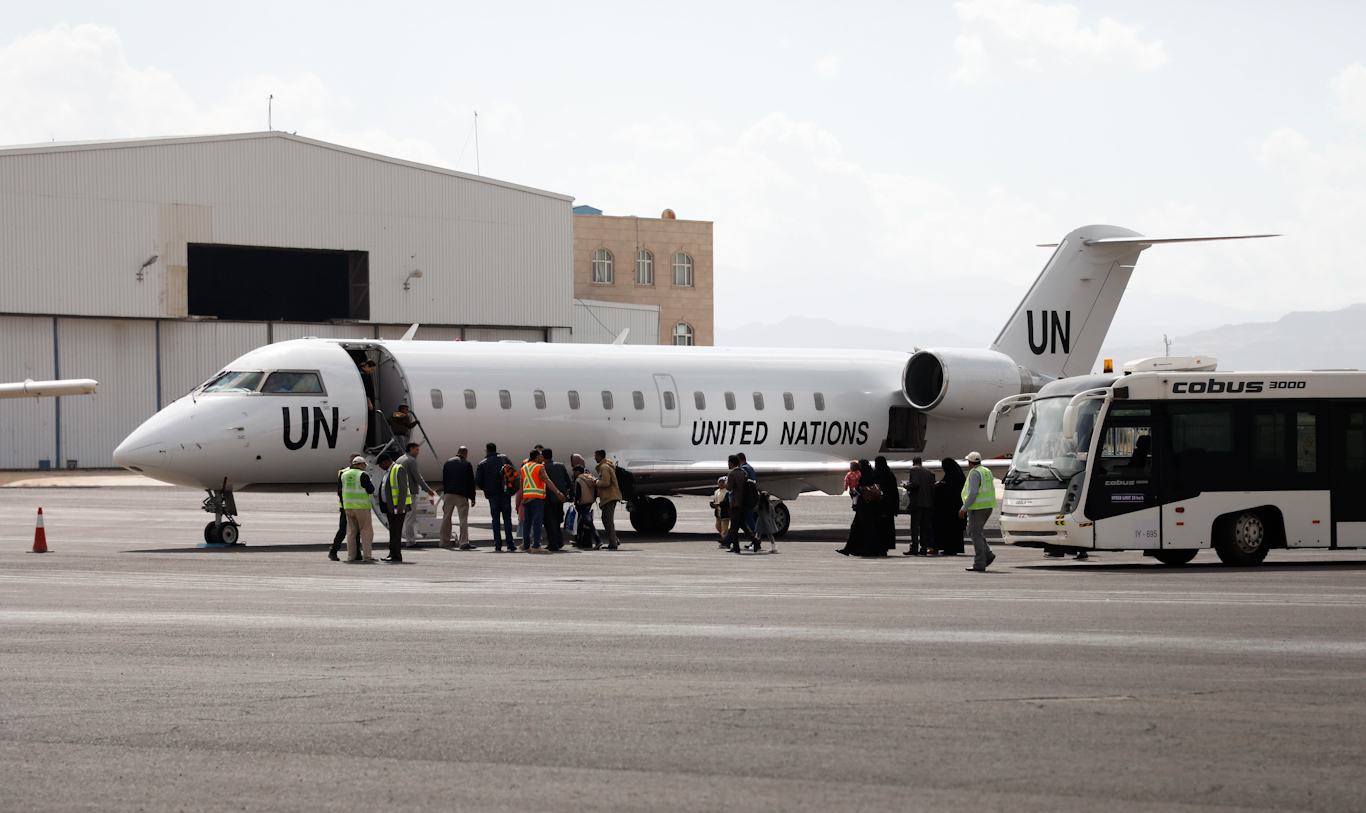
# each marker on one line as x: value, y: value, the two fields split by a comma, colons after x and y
x: 141, y: 450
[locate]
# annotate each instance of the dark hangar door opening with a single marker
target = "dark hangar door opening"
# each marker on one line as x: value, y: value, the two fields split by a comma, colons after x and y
x: 278, y: 284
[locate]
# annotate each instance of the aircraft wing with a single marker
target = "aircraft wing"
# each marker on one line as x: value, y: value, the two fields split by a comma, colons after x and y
x: 46, y: 389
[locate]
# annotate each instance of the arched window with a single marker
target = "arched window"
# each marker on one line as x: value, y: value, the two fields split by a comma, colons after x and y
x: 602, y: 266
x: 682, y: 270
x: 683, y: 334
x: 645, y: 268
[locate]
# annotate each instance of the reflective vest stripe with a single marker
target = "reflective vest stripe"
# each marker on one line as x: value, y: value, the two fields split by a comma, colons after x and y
x: 533, y: 481
x: 986, y: 490
x: 393, y: 486
x: 353, y: 494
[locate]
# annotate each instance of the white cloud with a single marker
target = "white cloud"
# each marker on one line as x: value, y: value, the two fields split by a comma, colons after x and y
x: 75, y: 83
x: 1003, y: 39
x: 829, y: 67
x: 1350, y: 89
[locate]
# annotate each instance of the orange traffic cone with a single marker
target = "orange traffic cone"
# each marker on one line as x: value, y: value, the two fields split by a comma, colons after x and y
x: 39, y: 535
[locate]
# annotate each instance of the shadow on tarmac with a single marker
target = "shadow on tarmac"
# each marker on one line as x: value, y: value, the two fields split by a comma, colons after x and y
x: 1201, y: 567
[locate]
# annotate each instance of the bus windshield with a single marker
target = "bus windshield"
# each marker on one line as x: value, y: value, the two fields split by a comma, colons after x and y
x: 1043, y: 453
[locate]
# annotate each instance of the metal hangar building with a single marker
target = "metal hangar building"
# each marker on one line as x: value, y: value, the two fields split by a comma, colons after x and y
x: 149, y: 264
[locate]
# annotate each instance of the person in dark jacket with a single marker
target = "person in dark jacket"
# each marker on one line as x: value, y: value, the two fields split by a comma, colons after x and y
x: 557, y: 474
x: 488, y: 477
x: 863, y: 533
x: 458, y: 494
x: 920, y: 488
x: 400, y: 424
x: 948, y: 498
x: 890, y: 504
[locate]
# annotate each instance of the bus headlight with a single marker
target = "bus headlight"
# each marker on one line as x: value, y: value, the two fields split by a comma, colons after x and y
x: 1069, y: 502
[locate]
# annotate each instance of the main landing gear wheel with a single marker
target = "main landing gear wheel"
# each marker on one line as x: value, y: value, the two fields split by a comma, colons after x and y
x: 211, y: 533
x: 1174, y: 557
x: 653, y: 515
x: 782, y: 518
x: 1242, y: 539
x: 228, y: 533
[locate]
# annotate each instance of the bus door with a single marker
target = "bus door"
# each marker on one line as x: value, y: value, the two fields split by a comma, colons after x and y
x: 1348, y: 474
x: 1122, y: 498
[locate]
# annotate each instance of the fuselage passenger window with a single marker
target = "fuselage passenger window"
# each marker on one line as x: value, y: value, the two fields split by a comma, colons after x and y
x: 284, y: 383
x: 437, y: 401
x: 539, y: 397
x: 573, y: 399
x: 504, y: 399
x: 820, y: 402
x: 699, y: 400
x: 730, y: 400
x: 668, y: 400
x: 758, y: 400
x: 469, y: 399
x: 638, y: 398
x: 788, y: 403
x: 606, y: 399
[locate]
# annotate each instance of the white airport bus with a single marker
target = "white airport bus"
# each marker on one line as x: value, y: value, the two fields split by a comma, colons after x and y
x: 1170, y: 463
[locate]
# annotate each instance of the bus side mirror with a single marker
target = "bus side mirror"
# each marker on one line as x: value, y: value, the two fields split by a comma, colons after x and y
x: 991, y: 425
x: 1069, y: 420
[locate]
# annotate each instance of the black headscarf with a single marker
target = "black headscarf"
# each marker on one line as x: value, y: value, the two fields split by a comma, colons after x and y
x: 953, y: 473
x: 886, y: 480
x: 866, y: 477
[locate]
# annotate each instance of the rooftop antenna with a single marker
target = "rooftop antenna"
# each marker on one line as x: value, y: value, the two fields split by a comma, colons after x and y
x: 476, y: 144
x: 1167, y: 343
x: 270, y: 112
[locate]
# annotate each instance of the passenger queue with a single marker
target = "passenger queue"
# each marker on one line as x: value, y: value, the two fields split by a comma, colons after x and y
x: 941, y: 510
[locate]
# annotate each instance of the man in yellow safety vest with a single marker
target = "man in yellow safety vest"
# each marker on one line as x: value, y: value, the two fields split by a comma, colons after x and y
x: 979, y: 497
x: 534, y: 487
x: 356, y: 489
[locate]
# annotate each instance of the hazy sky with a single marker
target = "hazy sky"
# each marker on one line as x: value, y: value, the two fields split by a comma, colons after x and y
x: 884, y: 164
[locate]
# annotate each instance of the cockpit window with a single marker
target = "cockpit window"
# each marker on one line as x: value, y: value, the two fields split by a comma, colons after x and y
x: 293, y: 383
x: 235, y: 381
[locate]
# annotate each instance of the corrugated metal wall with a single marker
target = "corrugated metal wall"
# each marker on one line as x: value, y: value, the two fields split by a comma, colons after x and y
x: 27, y: 425
x: 491, y: 334
x: 193, y: 351
x: 76, y: 223
x: 597, y: 322
x: 121, y: 355
x: 424, y: 333
x: 287, y: 331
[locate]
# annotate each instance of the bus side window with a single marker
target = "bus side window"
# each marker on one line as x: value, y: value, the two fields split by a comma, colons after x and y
x: 1354, y: 446
x: 1306, y: 442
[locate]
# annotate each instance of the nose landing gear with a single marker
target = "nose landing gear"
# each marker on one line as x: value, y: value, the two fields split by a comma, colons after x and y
x: 221, y: 504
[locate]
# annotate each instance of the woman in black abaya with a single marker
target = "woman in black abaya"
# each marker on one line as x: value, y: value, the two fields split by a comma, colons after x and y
x: 888, y: 505
x: 864, y: 539
x: 948, y: 498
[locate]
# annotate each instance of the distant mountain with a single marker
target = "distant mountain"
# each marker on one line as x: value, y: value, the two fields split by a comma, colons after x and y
x: 801, y: 331
x: 1302, y: 340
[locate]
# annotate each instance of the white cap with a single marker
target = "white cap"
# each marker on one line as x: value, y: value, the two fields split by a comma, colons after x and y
x: 357, y: 458
x: 974, y: 457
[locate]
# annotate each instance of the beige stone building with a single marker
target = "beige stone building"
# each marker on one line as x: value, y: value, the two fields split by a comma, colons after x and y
x: 648, y: 261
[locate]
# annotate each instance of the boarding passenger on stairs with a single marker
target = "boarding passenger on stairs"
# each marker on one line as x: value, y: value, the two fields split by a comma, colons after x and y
x: 415, y: 483
x: 979, y: 497
x: 458, y: 495
x: 401, y: 423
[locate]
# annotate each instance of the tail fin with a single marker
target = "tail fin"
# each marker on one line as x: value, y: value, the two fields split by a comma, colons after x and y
x: 1058, y: 328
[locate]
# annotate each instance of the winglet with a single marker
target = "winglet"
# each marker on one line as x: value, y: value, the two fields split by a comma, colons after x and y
x: 412, y: 331
x: 621, y: 337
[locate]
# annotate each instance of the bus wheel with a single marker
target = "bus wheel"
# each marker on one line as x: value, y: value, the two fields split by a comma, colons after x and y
x: 1242, y: 539
x: 1174, y: 557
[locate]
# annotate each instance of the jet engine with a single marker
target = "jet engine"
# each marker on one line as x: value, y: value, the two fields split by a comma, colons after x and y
x: 964, y: 383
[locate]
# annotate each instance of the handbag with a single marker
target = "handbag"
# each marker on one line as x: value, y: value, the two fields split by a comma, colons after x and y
x: 870, y: 493
x: 571, y: 520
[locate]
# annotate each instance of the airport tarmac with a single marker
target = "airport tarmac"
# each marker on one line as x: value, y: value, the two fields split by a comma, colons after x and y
x: 141, y: 672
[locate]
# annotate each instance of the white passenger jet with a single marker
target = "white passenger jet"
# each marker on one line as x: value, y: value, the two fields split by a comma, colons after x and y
x: 287, y: 416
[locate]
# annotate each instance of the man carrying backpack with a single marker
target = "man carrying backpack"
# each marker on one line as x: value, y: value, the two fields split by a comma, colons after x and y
x: 491, y: 478
x: 735, y: 487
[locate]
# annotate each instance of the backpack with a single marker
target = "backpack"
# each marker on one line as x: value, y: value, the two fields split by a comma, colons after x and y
x: 510, y: 478
x: 751, y: 497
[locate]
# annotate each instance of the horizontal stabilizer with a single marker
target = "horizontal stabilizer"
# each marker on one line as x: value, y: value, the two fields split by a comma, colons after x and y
x: 1148, y: 241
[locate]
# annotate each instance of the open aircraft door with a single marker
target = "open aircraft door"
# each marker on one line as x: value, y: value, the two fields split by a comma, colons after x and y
x: 670, y: 414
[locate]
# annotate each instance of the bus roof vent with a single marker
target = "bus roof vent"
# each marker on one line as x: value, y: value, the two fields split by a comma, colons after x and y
x: 1172, y: 364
